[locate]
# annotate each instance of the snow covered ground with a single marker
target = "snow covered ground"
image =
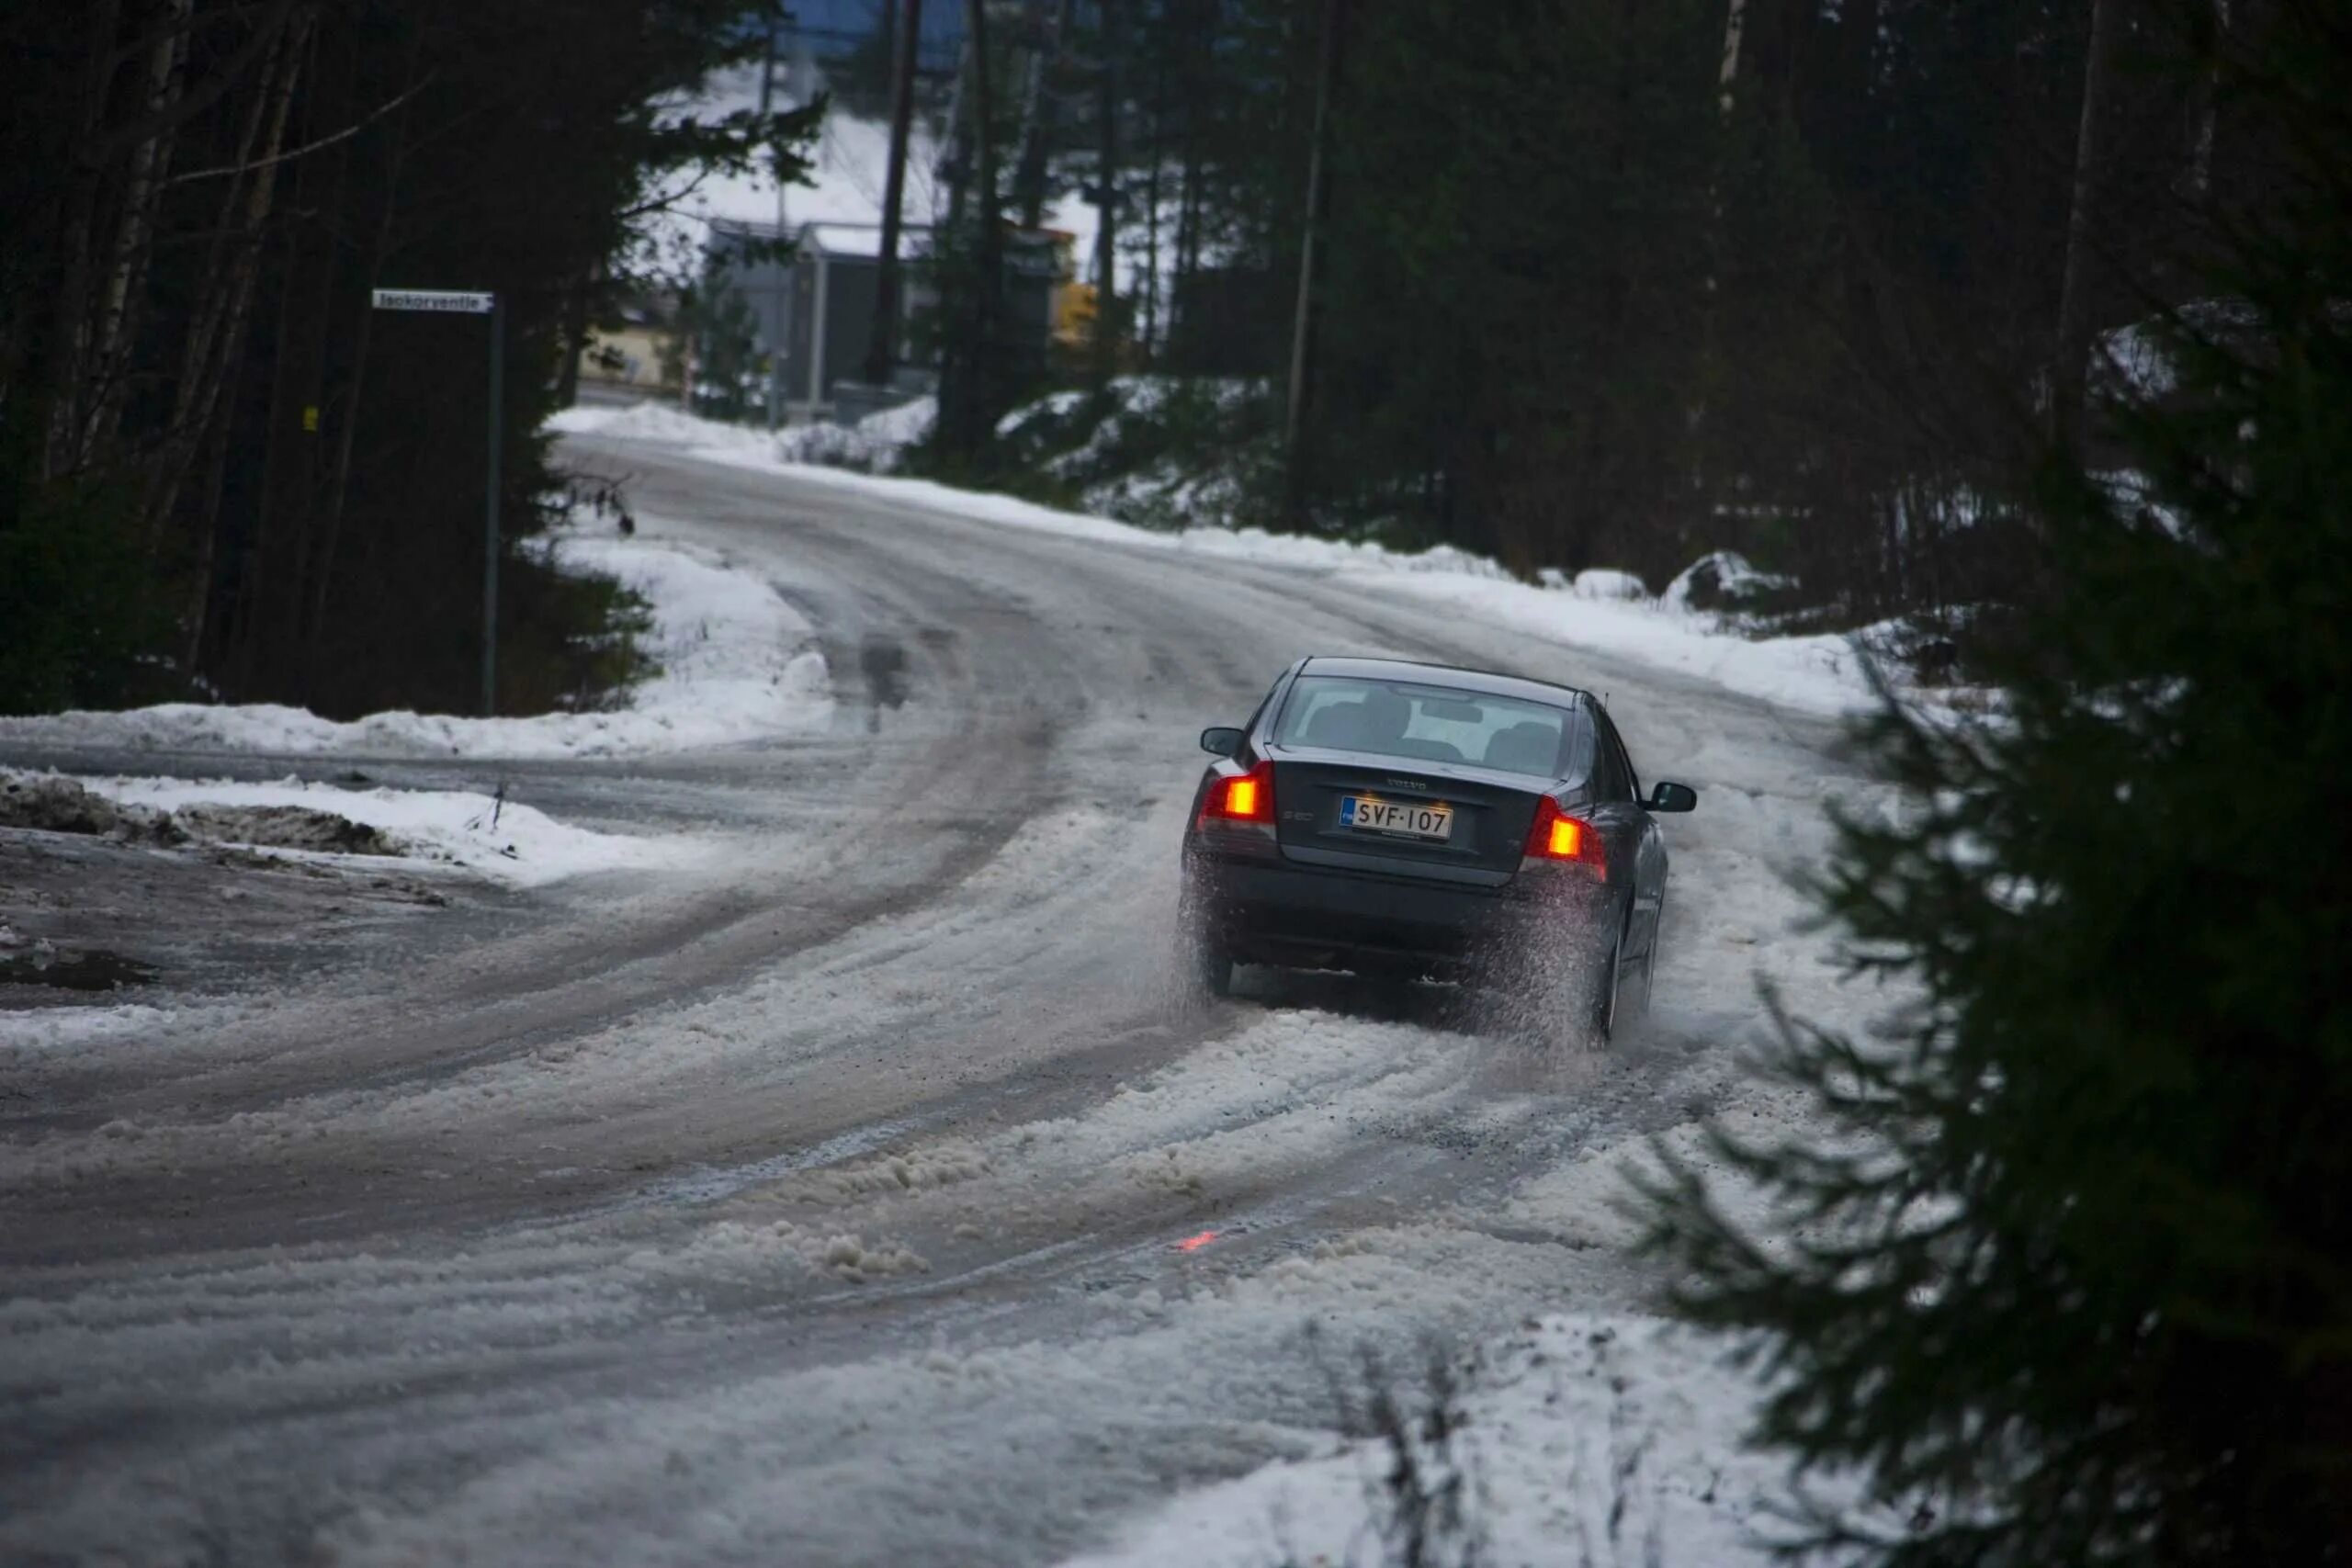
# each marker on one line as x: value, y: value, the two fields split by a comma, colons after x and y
x: 737, y: 665
x: 877, y: 1198
x: 1586, y: 1440
x: 1816, y: 673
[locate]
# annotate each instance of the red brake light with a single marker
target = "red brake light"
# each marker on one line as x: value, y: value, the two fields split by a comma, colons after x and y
x: 1556, y: 837
x: 1246, y: 797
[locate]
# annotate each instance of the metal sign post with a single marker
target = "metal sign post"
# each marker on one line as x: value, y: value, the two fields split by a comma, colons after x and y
x: 446, y: 302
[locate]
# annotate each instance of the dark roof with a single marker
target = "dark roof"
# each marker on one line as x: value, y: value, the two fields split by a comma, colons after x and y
x: 1487, y: 682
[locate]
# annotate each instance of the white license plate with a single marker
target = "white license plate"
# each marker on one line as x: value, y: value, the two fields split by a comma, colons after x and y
x: 1410, y: 817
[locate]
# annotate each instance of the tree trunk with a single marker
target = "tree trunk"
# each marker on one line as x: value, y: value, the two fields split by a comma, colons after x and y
x: 990, y: 216
x: 1150, y: 337
x: 119, y: 318
x: 291, y: 473
x: 1302, y: 320
x: 183, y: 433
x: 2197, y: 179
x: 1734, y: 30
x: 1039, y: 111
x: 968, y: 372
x: 338, y: 477
x: 68, y: 327
x: 1188, y: 244
x: 882, y: 346
x: 575, y: 337
x: 200, y: 401
x: 2071, y: 368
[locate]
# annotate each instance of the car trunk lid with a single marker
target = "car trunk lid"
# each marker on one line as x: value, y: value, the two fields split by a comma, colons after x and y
x: 1487, y: 814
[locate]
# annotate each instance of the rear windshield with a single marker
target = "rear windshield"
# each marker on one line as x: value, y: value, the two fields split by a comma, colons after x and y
x: 1432, y: 724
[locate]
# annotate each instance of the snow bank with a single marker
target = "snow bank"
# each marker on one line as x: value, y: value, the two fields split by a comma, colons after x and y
x: 506, y: 840
x: 736, y: 665
x: 877, y: 444
x: 1816, y: 673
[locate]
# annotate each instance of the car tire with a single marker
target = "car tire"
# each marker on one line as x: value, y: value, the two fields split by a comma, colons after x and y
x: 1649, y: 959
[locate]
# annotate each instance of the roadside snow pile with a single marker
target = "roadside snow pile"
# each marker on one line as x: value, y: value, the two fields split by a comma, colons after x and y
x: 1817, y: 673
x: 46, y: 803
x: 650, y: 421
x: 503, y: 839
x: 737, y: 665
x: 1598, y: 584
x: 1723, y: 580
x: 51, y: 802
x: 1160, y: 451
x: 876, y: 445
x: 1587, y: 1438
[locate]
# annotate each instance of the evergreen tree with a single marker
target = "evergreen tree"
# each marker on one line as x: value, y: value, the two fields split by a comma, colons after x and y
x: 2067, y: 1272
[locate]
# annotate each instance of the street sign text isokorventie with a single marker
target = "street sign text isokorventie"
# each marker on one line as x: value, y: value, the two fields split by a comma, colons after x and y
x: 435, y: 299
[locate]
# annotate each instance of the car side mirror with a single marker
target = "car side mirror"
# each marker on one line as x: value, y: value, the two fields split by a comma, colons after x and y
x: 1673, y: 797
x: 1223, y: 740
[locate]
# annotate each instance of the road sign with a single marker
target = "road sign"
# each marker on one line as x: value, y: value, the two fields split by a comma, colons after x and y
x: 435, y: 299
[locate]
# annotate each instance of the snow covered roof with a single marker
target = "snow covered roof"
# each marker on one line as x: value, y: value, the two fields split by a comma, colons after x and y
x: 860, y: 239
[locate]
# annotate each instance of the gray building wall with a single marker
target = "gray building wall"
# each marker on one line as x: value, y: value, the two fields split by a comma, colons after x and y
x: 784, y: 301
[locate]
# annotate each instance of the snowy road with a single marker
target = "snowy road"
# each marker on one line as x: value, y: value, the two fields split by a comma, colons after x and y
x: 846, y: 1203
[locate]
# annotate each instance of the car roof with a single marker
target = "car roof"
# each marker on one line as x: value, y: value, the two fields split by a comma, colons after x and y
x: 1487, y: 681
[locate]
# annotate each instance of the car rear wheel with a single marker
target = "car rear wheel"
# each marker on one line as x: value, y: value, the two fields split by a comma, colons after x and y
x: 1649, y: 959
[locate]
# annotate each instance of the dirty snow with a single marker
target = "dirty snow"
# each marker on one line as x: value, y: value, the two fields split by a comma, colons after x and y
x: 738, y: 665
x: 506, y: 840
x: 61, y: 1029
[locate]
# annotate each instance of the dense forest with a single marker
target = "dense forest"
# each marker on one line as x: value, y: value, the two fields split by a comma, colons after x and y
x: 221, y: 472
x: 1572, y: 283
x: 1601, y: 284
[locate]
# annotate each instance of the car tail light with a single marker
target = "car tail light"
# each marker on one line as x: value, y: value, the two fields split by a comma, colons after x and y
x: 1557, y: 838
x: 1244, y: 797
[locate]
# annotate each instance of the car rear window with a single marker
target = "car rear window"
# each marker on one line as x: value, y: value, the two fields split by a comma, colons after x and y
x: 1432, y: 724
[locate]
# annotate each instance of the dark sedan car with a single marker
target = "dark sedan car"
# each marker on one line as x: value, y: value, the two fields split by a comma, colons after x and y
x: 1416, y: 820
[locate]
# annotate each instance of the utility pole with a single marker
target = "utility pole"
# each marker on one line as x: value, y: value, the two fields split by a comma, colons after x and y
x: 767, y: 66
x: 991, y: 235
x: 882, y: 346
x: 774, y: 317
x: 1039, y: 110
x: 973, y: 279
x: 1106, y: 198
x: 1294, y: 417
